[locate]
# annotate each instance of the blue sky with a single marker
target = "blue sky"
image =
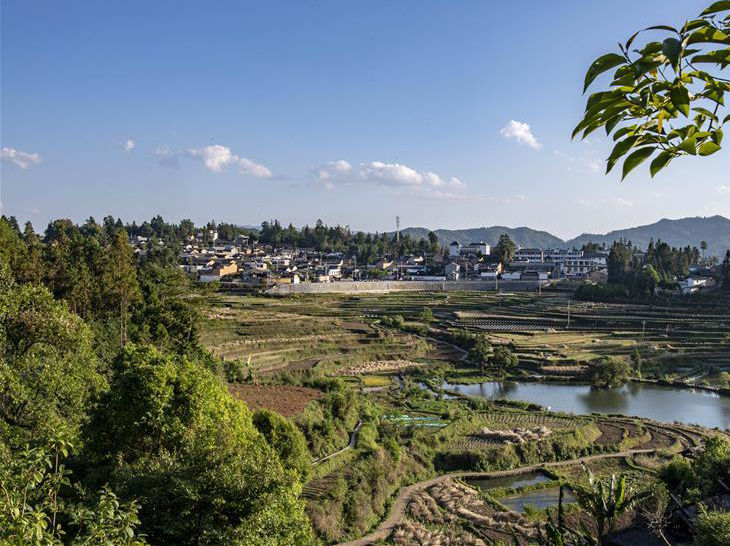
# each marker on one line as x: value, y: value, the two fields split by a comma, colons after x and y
x: 352, y: 112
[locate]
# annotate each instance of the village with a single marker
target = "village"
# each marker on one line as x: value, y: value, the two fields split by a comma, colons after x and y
x: 245, y: 262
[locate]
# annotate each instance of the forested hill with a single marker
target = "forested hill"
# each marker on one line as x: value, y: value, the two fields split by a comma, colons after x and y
x: 678, y: 233
x: 523, y: 236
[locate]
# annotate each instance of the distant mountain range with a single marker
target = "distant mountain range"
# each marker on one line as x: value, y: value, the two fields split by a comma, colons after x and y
x: 680, y: 233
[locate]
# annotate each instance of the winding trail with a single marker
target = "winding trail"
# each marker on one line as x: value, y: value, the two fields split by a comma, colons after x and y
x: 397, y: 510
x: 350, y: 445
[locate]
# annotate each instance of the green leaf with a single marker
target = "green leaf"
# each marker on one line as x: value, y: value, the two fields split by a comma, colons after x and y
x: 727, y: 118
x: 620, y: 149
x: 663, y: 27
x: 697, y: 23
x: 708, y: 35
x: 689, y: 146
x: 623, y: 131
x: 705, y: 112
x: 717, y: 6
x: 636, y: 158
x: 721, y: 56
x: 680, y: 99
x: 660, y: 161
x: 714, y: 94
x: 709, y: 148
x: 600, y: 65
x: 631, y: 40
x: 611, y: 123
x: 651, y: 48
x: 671, y: 48
x: 717, y: 136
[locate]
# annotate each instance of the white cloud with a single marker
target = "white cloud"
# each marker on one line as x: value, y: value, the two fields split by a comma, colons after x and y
x: 389, y: 175
x: 724, y: 190
x: 329, y: 171
x: 616, y: 202
x: 521, y: 132
x: 20, y: 159
x: 521, y: 197
x: 217, y: 158
x: 127, y: 145
x: 395, y: 174
x: 167, y: 158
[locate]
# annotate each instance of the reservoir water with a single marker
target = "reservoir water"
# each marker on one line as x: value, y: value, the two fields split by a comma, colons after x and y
x: 658, y: 402
x: 512, y: 482
x: 539, y: 498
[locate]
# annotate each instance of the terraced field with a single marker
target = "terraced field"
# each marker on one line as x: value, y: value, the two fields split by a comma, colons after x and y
x: 551, y: 329
x: 271, y: 334
x: 614, y: 432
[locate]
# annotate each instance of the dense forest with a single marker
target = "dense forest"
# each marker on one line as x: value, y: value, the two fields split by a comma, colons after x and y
x: 115, y: 426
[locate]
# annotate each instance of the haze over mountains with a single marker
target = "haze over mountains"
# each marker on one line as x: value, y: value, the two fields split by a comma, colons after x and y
x: 680, y: 233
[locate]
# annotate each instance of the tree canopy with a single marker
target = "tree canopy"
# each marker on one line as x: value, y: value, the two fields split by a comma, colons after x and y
x: 174, y: 439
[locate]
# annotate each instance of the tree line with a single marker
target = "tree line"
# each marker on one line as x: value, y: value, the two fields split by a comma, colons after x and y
x: 367, y: 247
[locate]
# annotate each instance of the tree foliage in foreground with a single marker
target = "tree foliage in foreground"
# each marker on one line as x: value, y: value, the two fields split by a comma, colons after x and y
x: 666, y: 96
x: 172, y: 437
x: 48, y: 371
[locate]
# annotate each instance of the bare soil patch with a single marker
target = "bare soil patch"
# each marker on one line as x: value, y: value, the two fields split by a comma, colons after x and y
x: 285, y: 400
x: 610, y: 434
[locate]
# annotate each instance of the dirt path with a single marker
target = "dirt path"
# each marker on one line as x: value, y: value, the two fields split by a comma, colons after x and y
x: 350, y: 445
x: 398, y: 508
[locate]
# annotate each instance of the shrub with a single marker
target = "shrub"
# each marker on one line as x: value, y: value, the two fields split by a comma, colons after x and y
x: 285, y: 439
x: 712, y: 528
x: 609, y: 372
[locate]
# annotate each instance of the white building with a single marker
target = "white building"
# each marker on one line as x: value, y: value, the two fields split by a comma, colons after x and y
x: 476, y: 248
x: 530, y: 255
x: 454, y: 249
x: 452, y: 271
x: 583, y: 265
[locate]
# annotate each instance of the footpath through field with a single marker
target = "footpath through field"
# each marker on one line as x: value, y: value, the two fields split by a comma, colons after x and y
x: 350, y: 445
x: 397, y: 511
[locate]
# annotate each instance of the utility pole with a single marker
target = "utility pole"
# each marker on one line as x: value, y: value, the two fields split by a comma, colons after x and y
x: 643, y: 329
x: 568, y: 312
x: 397, y: 247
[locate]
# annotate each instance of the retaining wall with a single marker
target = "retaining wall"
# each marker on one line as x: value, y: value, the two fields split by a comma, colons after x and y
x: 348, y: 287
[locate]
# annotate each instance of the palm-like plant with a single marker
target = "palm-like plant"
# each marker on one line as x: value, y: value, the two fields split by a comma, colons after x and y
x: 606, y: 500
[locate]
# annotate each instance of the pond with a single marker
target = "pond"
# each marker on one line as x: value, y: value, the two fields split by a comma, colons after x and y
x: 511, y: 482
x: 658, y: 402
x: 539, y: 498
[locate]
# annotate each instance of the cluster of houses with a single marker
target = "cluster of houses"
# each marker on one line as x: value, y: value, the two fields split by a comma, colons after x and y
x: 476, y: 260
x: 207, y: 258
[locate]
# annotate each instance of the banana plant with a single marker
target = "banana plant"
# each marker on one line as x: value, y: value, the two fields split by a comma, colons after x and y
x: 606, y: 500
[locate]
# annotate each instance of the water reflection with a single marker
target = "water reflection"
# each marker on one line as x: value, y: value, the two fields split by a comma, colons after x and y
x: 657, y: 402
x: 541, y: 498
x: 512, y: 482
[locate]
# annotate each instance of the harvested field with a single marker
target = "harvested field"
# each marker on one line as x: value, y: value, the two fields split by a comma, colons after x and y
x: 512, y: 436
x: 285, y: 400
x: 379, y: 366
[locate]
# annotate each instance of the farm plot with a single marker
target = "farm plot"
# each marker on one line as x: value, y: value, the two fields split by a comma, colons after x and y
x: 282, y: 399
x: 294, y: 335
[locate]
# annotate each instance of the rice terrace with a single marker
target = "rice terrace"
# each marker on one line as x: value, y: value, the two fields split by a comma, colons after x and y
x: 405, y: 370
